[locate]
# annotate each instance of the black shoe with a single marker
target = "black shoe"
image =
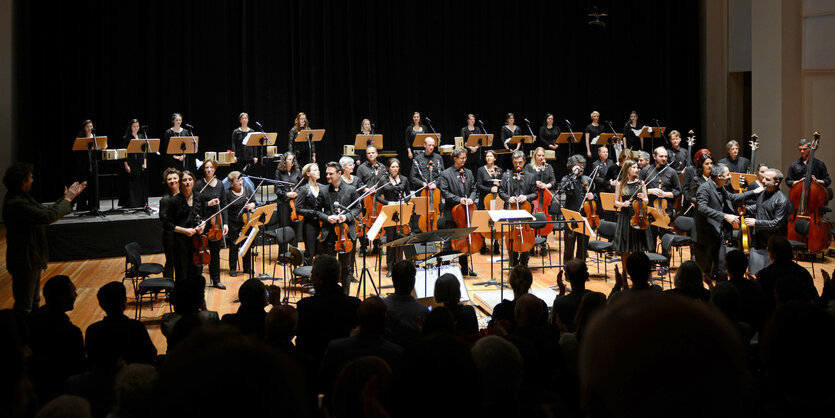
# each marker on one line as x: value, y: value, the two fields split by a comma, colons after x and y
x: 483, y: 250
x: 354, y: 280
x: 468, y: 273
x: 218, y: 285
x: 233, y: 273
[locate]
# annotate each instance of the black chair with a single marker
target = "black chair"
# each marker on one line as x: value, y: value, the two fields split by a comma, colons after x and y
x: 662, y: 266
x: 602, y: 248
x: 800, y: 247
x: 139, y: 272
x: 541, y: 241
x: 283, y: 237
x: 301, y: 274
x: 684, y: 225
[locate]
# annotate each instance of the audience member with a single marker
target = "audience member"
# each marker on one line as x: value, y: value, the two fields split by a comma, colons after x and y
x: 520, y: 281
x: 782, y: 264
x: 500, y: 364
x: 751, y: 296
x: 727, y: 299
x: 362, y: 389
x: 190, y: 313
x: 566, y: 305
x: 328, y: 314
x: 438, y: 321
x: 57, y: 345
x: 404, y: 312
x: 17, y: 398
x: 639, y: 269
x: 250, y: 317
x: 66, y: 406
x: 592, y: 303
x: 135, y: 392
x: 448, y: 293
x: 688, y: 282
x: 134, y: 343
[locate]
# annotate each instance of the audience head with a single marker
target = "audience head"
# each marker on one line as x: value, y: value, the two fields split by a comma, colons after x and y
x: 135, y: 391
x: 529, y: 311
x: 500, y: 364
x: 59, y: 292
x: 189, y: 295
x: 439, y: 320
x: 112, y: 298
x: 780, y: 249
x: 253, y: 294
x: 590, y: 305
x: 281, y: 322
x: 16, y: 175
x: 676, y: 348
x: 325, y: 271
x: 638, y: 267
x: 520, y: 280
x: 403, y: 277
x: 577, y: 273
x: 66, y: 406
x: 356, y: 381
x: 372, y: 316
x: 725, y: 296
x: 736, y: 263
x: 688, y: 277
x: 447, y: 289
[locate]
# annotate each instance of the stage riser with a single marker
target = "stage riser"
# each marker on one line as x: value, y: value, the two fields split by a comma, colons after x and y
x: 102, y: 238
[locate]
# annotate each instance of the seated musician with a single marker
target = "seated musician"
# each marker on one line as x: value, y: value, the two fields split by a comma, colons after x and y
x: 337, y: 192
x: 457, y: 186
x: 393, y: 188
x: 517, y: 188
x: 576, y: 187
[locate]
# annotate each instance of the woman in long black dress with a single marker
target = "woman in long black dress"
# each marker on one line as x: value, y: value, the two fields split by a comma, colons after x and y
x: 628, y: 239
x: 488, y: 180
x: 212, y: 199
x: 245, y: 156
x: 396, y: 187
x: 629, y: 128
x: 134, y: 167
x: 411, y: 131
x: 183, y: 215
x: 545, y: 178
x: 166, y: 205
x: 84, y: 170
x: 473, y: 154
x: 509, y: 130
x: 593, y: 130
x: 288, y: 171
x: 237, y: 196
x: 311, y: 204
x: 179, y: 161
x: 300, y: 149
x: 548, y: 133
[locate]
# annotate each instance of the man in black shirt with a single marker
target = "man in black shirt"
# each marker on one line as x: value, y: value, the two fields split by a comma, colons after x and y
x: 770, y: 214
x: 662, y: 183
x: 339, y: 197
x: 368, y: 174
x: 426, y: 168
x: 733, y: 161
x: 457, y: 186
x: 572, y: 184
x: 677, y: 156
x: 797, y: 170
x: 517, y: 187
x: 603, y: 165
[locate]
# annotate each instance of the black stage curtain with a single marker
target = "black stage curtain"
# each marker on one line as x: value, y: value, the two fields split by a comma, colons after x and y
x: 340, y: 62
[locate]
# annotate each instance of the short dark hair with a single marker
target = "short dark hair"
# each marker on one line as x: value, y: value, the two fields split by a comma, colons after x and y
x: 520, y: 279
x: 717, y: 170
x: 403, y: 276
x: 780, y: 248
x: 458, y: 151
x: 55, y: 287
x: 326, y: 269
x: 112, y: 298
x: 16, y: 174
x: 576, y: 271
x: 372, y: 315
x: 638, y: 267
x: 253, y: 293
x: 447, y: 289
x: 736, y: 262
x: 335, y: 165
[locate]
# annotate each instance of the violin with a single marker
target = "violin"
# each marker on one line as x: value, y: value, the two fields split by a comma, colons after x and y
x: 808, y: 199
x: 215, y: 232
x: 343, y: 240
x: 201, y: 255
x: 590, y: 209
x: 541, y: 204
x: 294, y: 216
x: 639, y: 219
x: 659, y: 211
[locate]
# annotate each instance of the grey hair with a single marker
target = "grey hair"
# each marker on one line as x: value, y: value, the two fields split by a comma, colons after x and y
x: 717, y: 170
x: 345, y: 161
x: 518, y: 154
x: 731, y: 143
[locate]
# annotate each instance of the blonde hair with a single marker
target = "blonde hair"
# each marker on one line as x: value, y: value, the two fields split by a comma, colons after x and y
x: 594, y: 113
x: 533, y: 159
x: 306, y: 169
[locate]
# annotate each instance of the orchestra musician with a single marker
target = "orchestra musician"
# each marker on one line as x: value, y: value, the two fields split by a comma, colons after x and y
x: 346, y: 165
x: 134, y: 165
x: 510, y: 130
x: 184, y: 212
x: 288, y: 171
x: 425, y: 174
x: 312, y: 205
x: 473, y: 156
x: 489, y: 179
x: 175, y: 160
x: 592, y: 130
x: 457, y: 186
x: 735, y: 162
x: 84, y: 170
x: 544, y: 175
x: 411, y: 131
x: 301, y: 149
x: 339, y: 196
x: 770, y: 217
x: 548, y: 133
x: 714, y: 219
x: 761, y: 169
x: 676, y: 155
x: 237, y: 196
x: 698, y: 174
x: 628, y: 239
x: 517, y: 187
x: 245, y: 156
x: 397, y: 190
x: 605, y: 180
x: 661, y: 184
x: 166, y: 204
x: 212, y: 198
x: 797, y: 169
x: 574, y: 186
x: 368, y: 174
x: 643, y: 159
x: 632, y: 139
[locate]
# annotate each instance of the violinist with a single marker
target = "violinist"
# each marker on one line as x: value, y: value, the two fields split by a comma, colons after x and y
x: 575, y: 185
x: 628, y: 239
x: 517, y: 187
x: 426, y: 168
x: 676, y: 155
x: 396, y: 189
x: 288, y: 171
x: 714, y: 219
x: 368, y: 173
x: 473, y: 156
x: 770, y: 217
x: 543, y: 173
x: 797, y: 169
x: 339, y: 196
x: 166, y: 204
x: 237, y: 195
x: 457, y: 186
x: 212, y: 198
x: 311, y: 204
x: 661, y: 183
x: 184, y: 212
x: 643, y: 159
x: 735, y: 162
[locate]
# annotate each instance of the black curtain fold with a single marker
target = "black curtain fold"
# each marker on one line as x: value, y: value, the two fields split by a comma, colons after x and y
x: 339, y: 62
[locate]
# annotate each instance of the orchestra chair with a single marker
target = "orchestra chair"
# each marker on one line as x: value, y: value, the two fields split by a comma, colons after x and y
x: 800, y: 247
x: 541, y: 242
x: 301, y: 273
x: 139, y: 272
x: 679, y: 239
x: 283, y: 236
x: 605, y: 230
x: 662, y: 266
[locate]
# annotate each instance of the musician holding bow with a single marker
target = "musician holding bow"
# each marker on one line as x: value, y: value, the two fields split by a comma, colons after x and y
x: 340, y: 196
x: 237, y: 195
x: 426, y: 167
x: 662, y: 186
x: 457, y: 186
x: 575, y: 185
x: 515, y: 188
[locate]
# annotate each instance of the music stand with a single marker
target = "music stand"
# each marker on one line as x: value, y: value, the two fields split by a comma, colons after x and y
x: 256, y: 221
x: 420, y: 139
x: 580, y: 224
x: 481, y: 140
x: 607, y: 202
x: 499, y: 219
x: 651, y: 133
x: 92, y: 144
x: 311, y: 136
x: 183, y: 145
x: 525, y: 139
x: 362, y: 141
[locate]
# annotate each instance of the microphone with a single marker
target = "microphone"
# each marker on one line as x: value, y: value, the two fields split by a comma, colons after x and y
x: 258, y: 124
x: 427, y: 119
x: 143, y: 127
x: 608, y: 122
x: 373, y: 126
x: 526, y: 121
x: 189, y: 127
x: 655, y: 120
x: 480, y: 122
x: 566, y: 121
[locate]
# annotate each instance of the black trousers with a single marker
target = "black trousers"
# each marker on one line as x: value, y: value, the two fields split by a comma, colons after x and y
x: 168, y: 248
x: 574, y: 240
x: 234, y: 232
x: 183, y: 258
x: 346, y: 261
x: 312, y: 246
x: 26, y: 289
x: 710, y: 256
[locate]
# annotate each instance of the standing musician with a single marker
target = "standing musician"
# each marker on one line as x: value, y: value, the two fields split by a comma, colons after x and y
x: 457, y: 186
x: 245, y: 156
x: 135, y: 165
x: 339, y: 196
x: 175, y: 160
x: 734, y: 162
x: 761, y: 170
x: 473, y: 156
x: 517, y: 187
x: 592, y: 130
x: 770, y: 212
x: 543, y: 173
x: 676, y: 155
x: 237, y: 196
x: 605, y: 180
x: 312, y: 204
x: 288, y: 171
x: 368, y: 173
x: 797, y: 169
x: 411, y: 131
x: 694, y: 177
x: 166, y: 204
x: 661, y: 184
x: 184, y: 212
x: 212, y: 198
x: 629, y: 189
x: 489, y: 179
x: 84, y: 170
x: 548, y: 133
x: 425, y: 174
x: 510, y: 130
x: 713, y: 221
x: 346, y: 165
x: 574, y: 186
x: 301, y: 149
x: 629, y: 128
x: 396, y: 189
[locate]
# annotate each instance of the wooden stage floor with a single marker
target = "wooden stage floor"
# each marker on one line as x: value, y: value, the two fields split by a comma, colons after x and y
x: 90, y: 275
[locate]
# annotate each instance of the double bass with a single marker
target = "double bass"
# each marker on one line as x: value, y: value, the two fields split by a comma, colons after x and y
x: 808, y: 199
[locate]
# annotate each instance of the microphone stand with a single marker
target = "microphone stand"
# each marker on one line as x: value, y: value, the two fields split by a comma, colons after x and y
x: 94, y: 175
x: 571, y: 144
x: 194, y: 142
x: 658, y: 124
x: 147, y: 208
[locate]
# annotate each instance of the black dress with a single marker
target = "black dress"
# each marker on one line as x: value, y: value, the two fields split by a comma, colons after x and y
x: 294, y: 176
x: 166, y: 216
x: 484, y: 182
x: 628, y: 239
x: 594, y: 132
x: 169, y: 159
x: 392, y: 193
x: 473, y: 158
x: 548, y: 137
x: 185, y: 216
x: 301, y: 149
x: 633, y: 140
x: 244, y: 154
x: 205, y: 194
x: 133, y: 196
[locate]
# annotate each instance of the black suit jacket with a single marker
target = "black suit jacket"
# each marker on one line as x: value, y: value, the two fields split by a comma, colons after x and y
x: 345, y: 196
x: 712, y: 203
x: 327, y: 315
x: 453, y: 189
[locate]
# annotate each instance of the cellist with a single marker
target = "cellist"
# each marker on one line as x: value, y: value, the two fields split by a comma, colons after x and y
x: 517, y: 187
x: 770, y: 217
x: 576, y: 187
x: 544, y: 175
x: 339, y: 196
x: 457, y: 186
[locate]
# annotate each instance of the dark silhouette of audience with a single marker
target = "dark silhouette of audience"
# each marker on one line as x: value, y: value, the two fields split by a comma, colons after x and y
x: 250, y: 317
x: 134, y: 343
x: 782, y: 264
x: 190, y: 313
x: 751, y: 296
x: 405, y: 314
x: 639, y: 269
x: 520, y: 281
x: 688, y: 282
x: 566, y: 305
x: 448, y: 293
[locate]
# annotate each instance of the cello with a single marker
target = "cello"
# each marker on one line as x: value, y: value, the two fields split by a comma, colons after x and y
x: 521, y: 237
x: 808, y: 199
x: 429, y: 222
x: 462, y: 215
x: 541, y: 204
x: 370, y: 209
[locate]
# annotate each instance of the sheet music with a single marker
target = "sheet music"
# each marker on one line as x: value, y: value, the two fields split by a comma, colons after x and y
x: 637, y: 132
